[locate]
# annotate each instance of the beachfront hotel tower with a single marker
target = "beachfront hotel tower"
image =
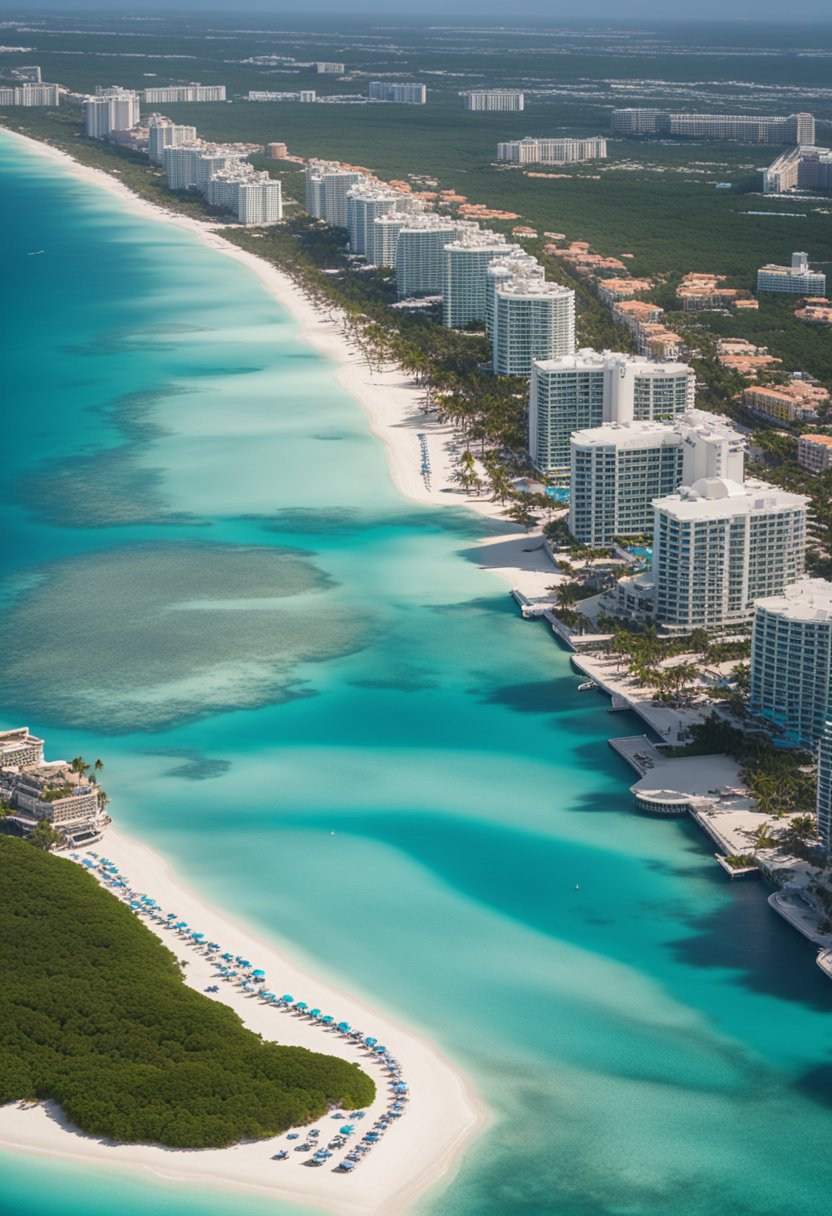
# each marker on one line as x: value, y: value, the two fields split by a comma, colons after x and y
x: 420, y: 253
x: 113, y: 109
x: 718, y: 547
x: 618, y: 470
x: 31, y: 93
x: 383, y: 238
x: 796, y: 280
x: 531, y: 319
x: 176, y: 93
x: 588, y: 389
x: 162, y: 133
x: 465, y: 290
x: 494, y: 99
x: 791, y: 662
x: 824, y: 800
x: 327, y: 187
x: 366, y: 202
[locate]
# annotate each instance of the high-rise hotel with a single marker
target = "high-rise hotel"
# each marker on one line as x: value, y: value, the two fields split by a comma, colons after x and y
x: 494, y: 99
x: 743, y: 128
x: 162, y: 133
x: 168, y: 94
x: 327, y: 187
x: 465, y: 290
x: 531, y: 319
x: 530, y: 151
x: 589, y: 388
x: 112, y: 109
x: 420, y: 253
x: 408, y: 94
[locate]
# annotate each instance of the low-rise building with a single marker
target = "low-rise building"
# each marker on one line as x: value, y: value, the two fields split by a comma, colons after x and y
x: 796, y: 401
x: 614, y: 289
x: 556, y: 151
x: 19, y: 747
x: 814, y: 310
x: 493, y: 99
x: 276, y: 150
x: 814, y: 452
x: 181, y: 93
x: 701, y: 291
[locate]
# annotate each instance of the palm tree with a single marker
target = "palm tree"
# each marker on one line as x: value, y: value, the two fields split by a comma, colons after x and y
x: 79, y: 765
x: 98, y: 766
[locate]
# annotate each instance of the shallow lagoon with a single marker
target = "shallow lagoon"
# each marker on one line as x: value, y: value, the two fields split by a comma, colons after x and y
x: 189, y: 483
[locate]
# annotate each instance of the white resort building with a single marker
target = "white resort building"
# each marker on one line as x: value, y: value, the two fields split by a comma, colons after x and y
x: 163, y: 133
x: 366, y: 202
x: 590, y: 388
x: 465, y: 290
x: 420, y: 253
x: 531, y: 151
x: 184, y: 93
x: 31, y: 93
x: 112, y: 109
x: 718, y: 547
x: 791, y: 662
x: 35, y: 790
x: 531, y: 319
x: 797, y: 279
x: 494, y: 99
x: 824, y: 802
x: 745, y: 128
x: 327, y: 187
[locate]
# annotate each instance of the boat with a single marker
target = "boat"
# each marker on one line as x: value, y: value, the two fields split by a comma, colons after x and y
x: 33, y: 253
x: 587, y: 685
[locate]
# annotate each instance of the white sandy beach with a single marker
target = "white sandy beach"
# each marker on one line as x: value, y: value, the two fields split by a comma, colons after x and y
x: 416, y: 1152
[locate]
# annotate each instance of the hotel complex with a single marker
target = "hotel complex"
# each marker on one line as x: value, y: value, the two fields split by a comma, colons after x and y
x: 797, y: 279
x: 327, y: 187
x: 163, y: 133
x: 184, y: 93
x: 801, y: 168
x: 112, y: 109
x: 493, y: 99
x: 420, y: 253
x: 37, y: 790
x: 743, y: 128
x: 368, y: 201
x: 32, y: 93
x: 409, y: 94
x: 530, y: 151
x: 530, y: 319
x: 791, y: 662
x: 590, y: 388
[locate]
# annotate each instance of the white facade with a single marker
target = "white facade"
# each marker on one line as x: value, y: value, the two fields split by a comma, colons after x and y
x: 824, y: 803
x: 111, y: 109
x: 530, y: 151
x: 162, y: 133
x: 366, y: 203
x: 814, y: 452
x: 719, y: 546
x: 515, y: 262
x: 260, y: 202
x: 532, y: 319
x: 383, y: 238
x: 589, y: 388
x: 326, y: 68
x: 410, y: 94
x: 185, y: 93
x: 793, y: 129
x: 31, y: 94
x: 181, y: 166
x: 618, y: 470
x: 797, y: 279
x: 19, y: 747
x: 327, y: 187
x: 465, y: 291
x: 494, y: 99
x: 791, y: 661
x: 420, y: 254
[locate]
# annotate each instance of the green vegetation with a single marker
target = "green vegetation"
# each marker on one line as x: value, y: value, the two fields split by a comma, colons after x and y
x: 95, y: 1015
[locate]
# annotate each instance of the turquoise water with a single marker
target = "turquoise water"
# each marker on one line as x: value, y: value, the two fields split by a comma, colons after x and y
x: 209, y: 582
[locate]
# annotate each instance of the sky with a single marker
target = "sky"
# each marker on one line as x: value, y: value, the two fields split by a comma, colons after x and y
x: 451, y: 10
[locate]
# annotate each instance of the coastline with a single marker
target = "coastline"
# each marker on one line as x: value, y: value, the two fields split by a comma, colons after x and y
x: 443, y: 1114
x: 392, y: 403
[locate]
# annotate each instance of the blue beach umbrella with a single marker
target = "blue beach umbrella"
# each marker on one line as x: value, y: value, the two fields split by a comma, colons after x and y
x: 228, y: 958
x: 379, y: 1049
x: 327, y: 1020
x: 287, y: 997
x: 347, y: 1129
x: 343, y: 1027
x: 301, y: 1005
x: 259, y: 974
x: 314, y: 1013
x: 371, y: 1042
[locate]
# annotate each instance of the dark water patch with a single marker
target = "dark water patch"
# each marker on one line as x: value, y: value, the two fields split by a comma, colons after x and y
x: 479, y: 606
x: 537, y: 697
x: 331, y: 436
x: 105, y: 489
x: 816, y: 1083
x: 136, y: 414
x: 402, y: 679
x: 145, y: 637
x: 345, y: 521
x: 192, y: 765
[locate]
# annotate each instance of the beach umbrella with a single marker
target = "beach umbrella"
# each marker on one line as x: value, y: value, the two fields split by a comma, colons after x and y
x: 401, y: 1088
x: 228, y: 958
x: 343, y: 1027
x: 287, y: 997
x: 261, y: 974
x: 314, y: 1013
x: 197, y: 936
x: 243, y: 962
x: 327, y: 1020
x: 371, y: 1137
x: 301, y: 1005
x: 371, y: 1042
x: 347, y: 1129
x: 379, y: 1049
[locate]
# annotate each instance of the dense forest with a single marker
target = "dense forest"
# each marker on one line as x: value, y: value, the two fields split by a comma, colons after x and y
x: 95, y: 1014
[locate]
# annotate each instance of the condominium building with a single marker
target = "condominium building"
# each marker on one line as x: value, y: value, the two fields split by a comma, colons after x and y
x: 259, y: 201
x: 180, y: 163
x: 589, y: 388
x: 750, y: 129
x: 19, y: 747
x: 420, y: 253
x: 801, y: 168
x: 530, y: 151
x: 31, y: 94
x: 29, y: 72
x: 184, y: 93
x: 618, y: 470
x: 718, y: 547
x: 814, y: 452
x: 162, y: 133
x: 514, y: 262
x: 494, y: 99
x: 326, y: 68
x: 532, y: 319
x: 307, y: 95
x: 327, y: 187
x: 383, y: 238
x: 465, y: 290
x: 365, y: 203
x: 410, y: 94
x: 791, y: 661
x: 113, y: 109
x: 797, y: 279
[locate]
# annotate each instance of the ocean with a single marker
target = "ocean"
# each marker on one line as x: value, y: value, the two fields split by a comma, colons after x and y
x: 210, y: 583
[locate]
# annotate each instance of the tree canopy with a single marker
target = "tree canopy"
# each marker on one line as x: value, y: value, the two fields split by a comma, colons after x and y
x: 95, y: 1014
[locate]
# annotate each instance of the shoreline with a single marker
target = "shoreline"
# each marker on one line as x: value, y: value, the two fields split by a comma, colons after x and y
x: 443, y: 1115
x: 392, y: 403
x: 443, y: 1109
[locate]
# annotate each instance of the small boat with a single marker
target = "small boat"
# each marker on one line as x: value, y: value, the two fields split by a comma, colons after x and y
x: 587, y: 685
x: 577, y: 886
x: 33, y: 253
